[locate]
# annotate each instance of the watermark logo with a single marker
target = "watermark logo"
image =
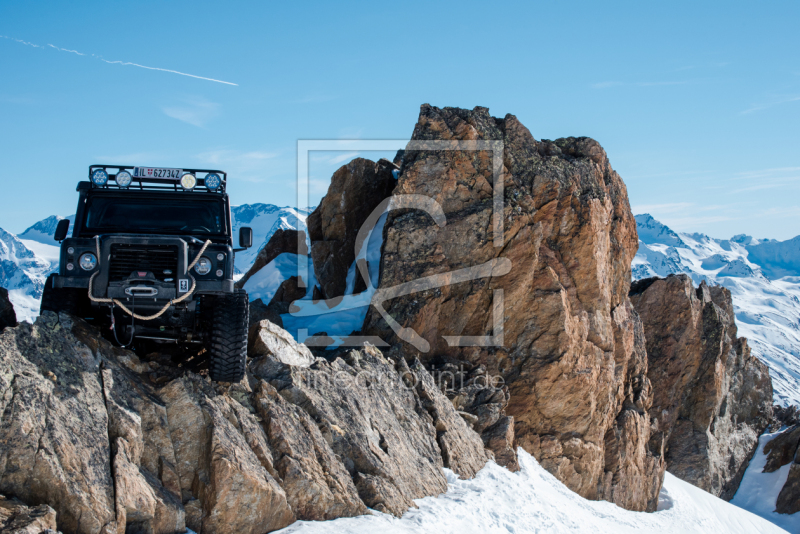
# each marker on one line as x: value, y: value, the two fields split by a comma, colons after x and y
x: 379, y: 296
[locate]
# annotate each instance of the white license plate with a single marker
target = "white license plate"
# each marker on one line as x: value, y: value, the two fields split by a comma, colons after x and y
x: 157, y: 172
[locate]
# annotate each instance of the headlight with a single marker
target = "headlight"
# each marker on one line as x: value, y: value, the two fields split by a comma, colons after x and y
x: 212, y: 182
x: 123, y: 179
x: 203, y: 266
x: 188, y: 181
x: 100, y: 177
x: 88, y: 261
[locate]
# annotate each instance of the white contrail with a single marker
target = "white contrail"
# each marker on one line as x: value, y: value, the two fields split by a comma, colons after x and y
x: 118, y: 62
x: 166, y: 70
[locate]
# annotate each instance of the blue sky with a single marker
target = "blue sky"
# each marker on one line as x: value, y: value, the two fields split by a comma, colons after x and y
x: 697, y: 104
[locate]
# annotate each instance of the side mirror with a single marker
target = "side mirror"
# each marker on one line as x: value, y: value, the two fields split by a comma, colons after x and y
x: 245, y: 237
x: 61, y: 230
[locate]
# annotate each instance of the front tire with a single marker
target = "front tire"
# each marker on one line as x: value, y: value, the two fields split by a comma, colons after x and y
x: 63, y: 299
x: 228, y: 343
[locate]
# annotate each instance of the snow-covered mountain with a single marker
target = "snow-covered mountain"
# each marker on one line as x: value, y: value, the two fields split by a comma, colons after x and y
x: 23, y: 272
x: 763, y: 277
x: 265, y: 220
x: 43, y: 231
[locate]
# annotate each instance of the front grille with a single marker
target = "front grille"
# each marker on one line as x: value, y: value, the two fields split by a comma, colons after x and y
x: 156, y: 259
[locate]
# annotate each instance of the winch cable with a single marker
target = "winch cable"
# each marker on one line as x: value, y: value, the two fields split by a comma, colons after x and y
x: 114, y: 326
x: 166, y: 306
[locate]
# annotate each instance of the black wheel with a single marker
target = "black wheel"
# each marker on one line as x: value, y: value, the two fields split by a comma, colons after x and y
x: 64, y: 299
x: 228, y: 340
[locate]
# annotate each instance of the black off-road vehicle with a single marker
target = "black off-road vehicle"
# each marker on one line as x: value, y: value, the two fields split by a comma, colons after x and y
x: 151, y: 258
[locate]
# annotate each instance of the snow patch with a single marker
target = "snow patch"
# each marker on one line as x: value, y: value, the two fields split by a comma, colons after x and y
x: 533, y: 500
x: 759, y: 491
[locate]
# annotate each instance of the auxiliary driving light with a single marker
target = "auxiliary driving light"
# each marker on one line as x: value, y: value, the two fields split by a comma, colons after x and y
x: 100, y: 177
x: 88, y: 261
x: 123, y: 179
x: 188, y: 181
x: 212, y: 181
x: 203, y: 266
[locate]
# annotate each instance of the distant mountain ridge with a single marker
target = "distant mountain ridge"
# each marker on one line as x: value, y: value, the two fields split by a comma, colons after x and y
x: 23, y: 273
x: 44, y: 230
x: 265, y: 220
x: 763, y: 277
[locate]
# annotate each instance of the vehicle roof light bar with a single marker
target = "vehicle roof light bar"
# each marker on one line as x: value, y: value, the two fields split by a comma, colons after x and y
x: 217, y: 179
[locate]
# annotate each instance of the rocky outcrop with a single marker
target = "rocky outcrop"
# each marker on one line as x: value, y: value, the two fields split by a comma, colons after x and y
x: 54, y: 443
x: 16, y: 518
x: 784, y: 416
x: 782, y: 450
x: 572, y: 352
x: 282, y: 241
x: 267, y: 338
x: 114, y: 443
x: 712, y: 397
x: 356, y: 190
x: 392, y: 428
x: 482, y: 402
x: 7, y: 315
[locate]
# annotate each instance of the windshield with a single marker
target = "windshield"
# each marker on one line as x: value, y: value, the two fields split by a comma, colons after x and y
x: 155, y: 215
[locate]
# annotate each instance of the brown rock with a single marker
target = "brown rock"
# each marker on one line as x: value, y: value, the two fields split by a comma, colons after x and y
x: 713, y: 398
x: 272, y: 313
x: 484, y: 404
x: 54, y: 446
x: 147, y: 489
x: 266, y: 338
x: 217, y: 466
x: 462, y: 448
x: 16, y: 518
x: 7, y: 315
x: 784, y: 416
x: 499, y: 438
x: 568, y: 355
x: 280, y: 242
x: 356, y: 190
x: 316, y: 483
x: 384, y: 430
x: 289, y: 291
x: 782, y: 449
x: 789, y: 498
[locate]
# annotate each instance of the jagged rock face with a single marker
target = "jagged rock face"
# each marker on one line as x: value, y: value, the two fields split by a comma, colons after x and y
x: 7, y: 315
x: 54, y: 445
x: 223, y: 461
x: 788, y: 501
x: 712, y: 397
x: 482, y: 403
x: 356, y: 190
x: 116, y: 444
x: 781, y: 450
x: 392, y: 428
x: 784, y: 416
x: 575, y: 371
x: 16, y: 518
x: 317, y: 485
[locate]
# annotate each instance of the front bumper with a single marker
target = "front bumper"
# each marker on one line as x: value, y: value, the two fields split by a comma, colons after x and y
x: 145, y: 281
x: 204, y: 287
